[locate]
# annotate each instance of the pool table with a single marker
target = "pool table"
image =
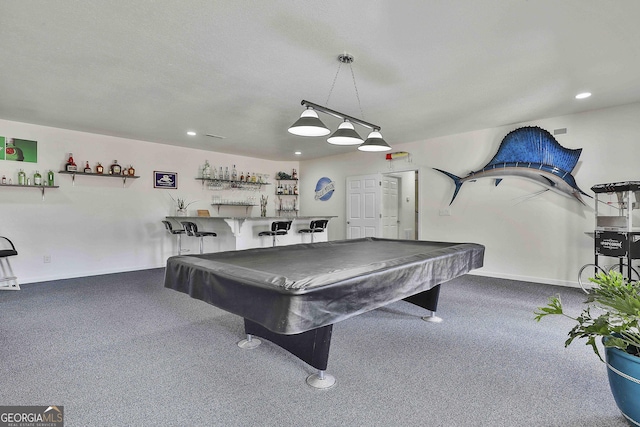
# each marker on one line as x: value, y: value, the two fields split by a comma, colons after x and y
x: 292, y: 295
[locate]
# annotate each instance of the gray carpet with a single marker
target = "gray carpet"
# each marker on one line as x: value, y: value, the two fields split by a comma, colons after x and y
x: 120, y: 350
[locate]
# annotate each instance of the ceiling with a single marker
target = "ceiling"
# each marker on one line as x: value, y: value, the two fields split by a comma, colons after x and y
x: 153, y: 69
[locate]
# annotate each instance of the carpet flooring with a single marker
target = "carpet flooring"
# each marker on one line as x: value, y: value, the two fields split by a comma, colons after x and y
x: 121, y: 350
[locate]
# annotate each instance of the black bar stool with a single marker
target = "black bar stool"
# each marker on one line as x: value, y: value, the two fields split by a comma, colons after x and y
x: 317, y: 226
x: 278, y: 228
x: 177, y: 233
x: 8, y: 280
x: 192, y: 230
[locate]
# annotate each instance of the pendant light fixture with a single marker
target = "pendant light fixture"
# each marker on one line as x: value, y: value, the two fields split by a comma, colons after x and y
x: 374, y: 142
x: 345, y: 135
x: 310, y: 125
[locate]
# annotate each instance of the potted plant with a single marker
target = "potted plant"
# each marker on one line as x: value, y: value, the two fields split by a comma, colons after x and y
x: 612, y: 314
x: 181, y: 205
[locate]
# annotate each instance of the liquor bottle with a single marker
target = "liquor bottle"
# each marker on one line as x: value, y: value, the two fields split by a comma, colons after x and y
x: 71, y: 164
x: 242, y: 176
x: 294, y: 174
x: 226, y: 173
x: 206, y: 170
x: 220, y: 174
x: 295, y: 189
x: 234, y: 173
x: 253, y: 177
x: 22, y: 177
x: 115, y: 168
x: 50, y: 180
x: 37, y: 178
x: 131, y: 170
x: 99, y: 169
x: 248, y: 177
x: 124, y: 171
x: 215, y: 173
x: 4, y: 180
x: 87, y: 168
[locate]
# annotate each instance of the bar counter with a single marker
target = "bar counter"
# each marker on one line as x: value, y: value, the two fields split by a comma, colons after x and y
x: 235, y: 233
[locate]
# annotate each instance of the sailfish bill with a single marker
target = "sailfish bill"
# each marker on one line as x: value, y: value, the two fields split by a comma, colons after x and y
x: 531, y: 153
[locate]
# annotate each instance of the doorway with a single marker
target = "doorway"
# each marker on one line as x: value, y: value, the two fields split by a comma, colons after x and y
x: 383, y: 205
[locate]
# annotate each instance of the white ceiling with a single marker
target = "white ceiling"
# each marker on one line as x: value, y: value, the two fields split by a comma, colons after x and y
x: 153, y: 69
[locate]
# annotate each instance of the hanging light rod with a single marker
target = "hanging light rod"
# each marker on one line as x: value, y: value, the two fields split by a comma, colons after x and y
x: 339, y: 115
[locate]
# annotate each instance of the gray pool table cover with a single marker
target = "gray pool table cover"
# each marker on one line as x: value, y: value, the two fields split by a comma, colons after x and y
x: 296, y: 288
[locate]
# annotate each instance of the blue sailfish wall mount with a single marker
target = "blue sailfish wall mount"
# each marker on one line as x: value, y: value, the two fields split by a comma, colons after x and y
x: 534, y: 154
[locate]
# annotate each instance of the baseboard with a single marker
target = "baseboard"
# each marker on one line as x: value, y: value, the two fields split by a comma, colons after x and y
x: 39, y: 279
x: 543, y: 280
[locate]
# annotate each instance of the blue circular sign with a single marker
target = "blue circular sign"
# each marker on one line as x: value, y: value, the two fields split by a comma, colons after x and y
x: 324, y: 189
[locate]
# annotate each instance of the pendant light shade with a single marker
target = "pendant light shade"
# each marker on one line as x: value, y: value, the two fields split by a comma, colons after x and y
x: 309, y: 125
x: 374, y: 142
x: 345, y: 135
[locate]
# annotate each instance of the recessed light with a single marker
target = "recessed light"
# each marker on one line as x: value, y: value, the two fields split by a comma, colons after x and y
x: 191, y: 133
x: 297, y: 153
x: 583, y: 95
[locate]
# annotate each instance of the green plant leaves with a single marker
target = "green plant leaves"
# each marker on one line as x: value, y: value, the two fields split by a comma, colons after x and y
x: 617, y: 303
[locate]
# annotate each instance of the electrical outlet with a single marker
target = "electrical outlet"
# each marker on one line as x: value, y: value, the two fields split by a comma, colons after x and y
x: 445, y: 212
x: 46, y: 259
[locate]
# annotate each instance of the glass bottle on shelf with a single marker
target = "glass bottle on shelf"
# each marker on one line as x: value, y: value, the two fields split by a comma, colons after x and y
x: 22, y: 178
x: 206, y: 170
x: 87, y: 168
x: 253, y: 177
x: 71, y: 164
x: 234, y: 174
x: 242, y: 176
x: 99, y: 169
x: 295, y: 189
x: 4, y: 179
x: 294, y: 174
x: 220, y: 174
x: 115, y: 168
x: 131, y: 171
x: 226, y: 173
x: 37, y: 178
x: 50, y: 180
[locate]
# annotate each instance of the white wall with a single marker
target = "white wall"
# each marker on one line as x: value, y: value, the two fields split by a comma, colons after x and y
x: 539, y: 239
x: 97, y: 226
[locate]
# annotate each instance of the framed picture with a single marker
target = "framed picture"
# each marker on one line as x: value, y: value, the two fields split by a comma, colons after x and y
x: 165, y: 180
x: 19, y: 150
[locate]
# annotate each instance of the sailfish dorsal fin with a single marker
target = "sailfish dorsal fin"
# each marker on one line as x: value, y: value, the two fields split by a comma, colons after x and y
x: 532, y: 144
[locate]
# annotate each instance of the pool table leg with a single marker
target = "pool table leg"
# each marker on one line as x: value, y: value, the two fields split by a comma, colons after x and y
x: 311, y: 347
x: 427, y: 299
x: 249, y: 343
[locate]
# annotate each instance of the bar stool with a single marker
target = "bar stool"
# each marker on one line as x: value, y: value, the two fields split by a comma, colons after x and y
x: 317, y: 226
x: 192, y: 230
x: 8, y: 280
x: 278, y: 228
x: 177, y: 233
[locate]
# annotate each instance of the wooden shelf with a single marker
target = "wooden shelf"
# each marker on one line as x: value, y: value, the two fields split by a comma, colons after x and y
x: 244, y: 205
x: 102, y: 175
x: 40, y: 187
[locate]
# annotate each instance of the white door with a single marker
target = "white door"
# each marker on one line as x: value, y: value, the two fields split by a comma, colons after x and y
x: 390, y: 207
x: 363, y: 206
